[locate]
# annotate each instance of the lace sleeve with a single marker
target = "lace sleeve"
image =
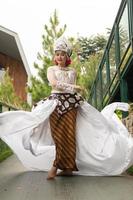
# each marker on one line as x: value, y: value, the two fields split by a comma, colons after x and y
x: 50, y: 76
x: 58, y: 85
x: 65, y: 86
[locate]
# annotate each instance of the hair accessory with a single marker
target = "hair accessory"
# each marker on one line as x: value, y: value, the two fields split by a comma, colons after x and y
x: 62, y: 44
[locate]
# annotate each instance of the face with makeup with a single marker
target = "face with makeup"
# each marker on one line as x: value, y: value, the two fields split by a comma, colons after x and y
x: 60, y: 58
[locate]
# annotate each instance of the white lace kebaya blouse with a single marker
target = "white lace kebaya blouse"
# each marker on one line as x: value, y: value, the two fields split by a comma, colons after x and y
x: 65, y: 78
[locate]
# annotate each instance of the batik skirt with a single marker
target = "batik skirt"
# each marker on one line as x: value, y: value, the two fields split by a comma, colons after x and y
x: 63, y: 129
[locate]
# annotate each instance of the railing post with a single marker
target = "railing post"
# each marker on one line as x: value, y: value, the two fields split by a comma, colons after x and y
x: 0, y: 107
x: 101, y: 91
x: 124, y: 93
x: 117, y: 46
x: 130, y: 17
x: 124, y: 90
x: 107, y: 67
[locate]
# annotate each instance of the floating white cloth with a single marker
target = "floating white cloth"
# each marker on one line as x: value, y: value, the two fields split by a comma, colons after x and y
x: 104, y: 146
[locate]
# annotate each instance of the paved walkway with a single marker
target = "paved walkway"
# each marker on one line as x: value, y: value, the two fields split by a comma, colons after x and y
x: 16, y: 183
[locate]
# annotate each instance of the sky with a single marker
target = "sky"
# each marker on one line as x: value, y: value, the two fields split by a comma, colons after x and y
x: 83, y: 18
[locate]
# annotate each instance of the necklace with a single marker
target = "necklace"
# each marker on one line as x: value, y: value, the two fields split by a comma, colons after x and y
x: 64, y: 68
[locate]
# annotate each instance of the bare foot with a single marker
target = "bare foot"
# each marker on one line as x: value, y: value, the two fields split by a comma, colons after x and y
x: 67, y: 172
x: 52, y: 173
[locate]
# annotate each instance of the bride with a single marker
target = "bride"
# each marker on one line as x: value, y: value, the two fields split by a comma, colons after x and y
x: 65, y: 135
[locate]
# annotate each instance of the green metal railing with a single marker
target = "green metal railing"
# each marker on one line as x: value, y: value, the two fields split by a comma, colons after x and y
x: 111, y: 83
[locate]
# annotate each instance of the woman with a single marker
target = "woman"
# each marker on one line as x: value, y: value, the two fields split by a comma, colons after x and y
x: 63, y: 119
x: 66, y: 132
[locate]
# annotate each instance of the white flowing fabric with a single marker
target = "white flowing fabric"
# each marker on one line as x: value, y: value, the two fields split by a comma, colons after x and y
x: 104, y: 146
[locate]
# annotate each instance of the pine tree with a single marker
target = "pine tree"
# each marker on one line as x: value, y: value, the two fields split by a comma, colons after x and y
x: 92, y: 45
x: 8, y: 95
x: 89, y: 49
x: 40, y: 88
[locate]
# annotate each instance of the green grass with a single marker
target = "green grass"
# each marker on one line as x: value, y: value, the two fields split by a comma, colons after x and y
x: 5, y: 154
x: 5, y: 151
x: 130, y: 171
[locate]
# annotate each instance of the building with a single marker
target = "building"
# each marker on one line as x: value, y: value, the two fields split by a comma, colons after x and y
x: 12, y: 57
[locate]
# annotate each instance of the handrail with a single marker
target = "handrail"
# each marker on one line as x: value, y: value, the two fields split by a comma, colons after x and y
x: 120, y: 60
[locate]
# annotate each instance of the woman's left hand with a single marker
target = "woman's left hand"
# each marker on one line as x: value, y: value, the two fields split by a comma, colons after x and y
x: 78, y: 88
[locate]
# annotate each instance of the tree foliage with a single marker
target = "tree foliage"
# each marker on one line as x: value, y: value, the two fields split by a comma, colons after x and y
x: 40, y: 87
x: 90, y: 46
x: 85, y: 58
x: 90, y: 51
x: 8, y: 95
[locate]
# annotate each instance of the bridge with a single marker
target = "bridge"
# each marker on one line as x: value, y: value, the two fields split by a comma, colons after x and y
x: 114, y: 80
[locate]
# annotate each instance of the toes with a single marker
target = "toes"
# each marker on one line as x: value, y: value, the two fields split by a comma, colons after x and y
x: 52, y: 173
